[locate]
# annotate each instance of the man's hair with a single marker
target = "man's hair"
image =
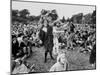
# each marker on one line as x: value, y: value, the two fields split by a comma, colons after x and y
x: 24, y: 37
x: 14, y: 36
x: 19, y: 35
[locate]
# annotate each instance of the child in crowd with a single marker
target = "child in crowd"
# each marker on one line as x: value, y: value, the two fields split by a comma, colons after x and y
x: 61, y: 64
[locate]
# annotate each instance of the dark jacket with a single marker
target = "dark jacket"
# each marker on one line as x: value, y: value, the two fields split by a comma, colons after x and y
x: 49, y: 30
x: 15, y: 48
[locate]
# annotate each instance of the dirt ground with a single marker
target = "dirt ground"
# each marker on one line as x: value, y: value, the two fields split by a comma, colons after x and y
x: 77, y: 60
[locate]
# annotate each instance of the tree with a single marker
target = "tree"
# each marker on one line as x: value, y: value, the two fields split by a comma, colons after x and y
x: 24, y: 13
x: 87, y: 18
x: 77, y: 18
x: 15, y: 13
x: 31, y: 18
x: 94, y: 17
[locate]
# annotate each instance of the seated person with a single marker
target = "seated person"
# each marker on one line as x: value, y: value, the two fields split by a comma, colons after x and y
x: 25, y: 47
x: 22, y: 67
x: 15, y: 46
x: 61, y: 65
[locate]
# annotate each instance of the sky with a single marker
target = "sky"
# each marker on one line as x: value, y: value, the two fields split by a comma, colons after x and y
x: 62, y: 9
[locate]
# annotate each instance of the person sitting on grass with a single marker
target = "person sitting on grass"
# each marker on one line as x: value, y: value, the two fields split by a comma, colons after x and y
x: 22, y: 66
x: 15, y: 46
x: 25, y: 47
x: 61, y: 64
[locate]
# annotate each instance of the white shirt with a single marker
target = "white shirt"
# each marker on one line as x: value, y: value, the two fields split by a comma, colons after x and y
x: 44, y: 29
x: 21, y: 69
x: 56, y: 46
x: 58, y: 67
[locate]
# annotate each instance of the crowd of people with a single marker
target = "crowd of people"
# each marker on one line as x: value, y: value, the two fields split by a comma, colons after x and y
x: 25, y: 36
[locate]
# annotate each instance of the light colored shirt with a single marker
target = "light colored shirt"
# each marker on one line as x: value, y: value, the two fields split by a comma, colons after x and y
x: 44, y: 29
x: 20, y: 40
x: 56, y: 46
x: 59, y: 67
x: 21, y: 69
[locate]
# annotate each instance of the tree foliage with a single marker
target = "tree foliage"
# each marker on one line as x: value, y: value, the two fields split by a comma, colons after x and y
x: 94, y: 17
x: 24, y: 13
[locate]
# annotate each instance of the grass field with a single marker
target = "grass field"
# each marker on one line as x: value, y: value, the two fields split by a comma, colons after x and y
x: 77, y: 60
